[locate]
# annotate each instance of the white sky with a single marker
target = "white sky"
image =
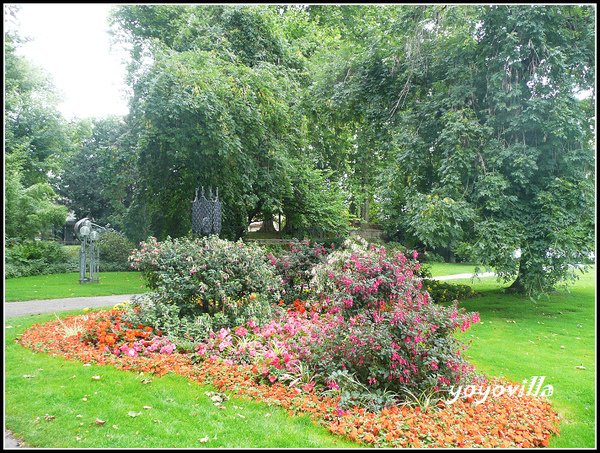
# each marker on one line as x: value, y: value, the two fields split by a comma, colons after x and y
x: 71, y: 43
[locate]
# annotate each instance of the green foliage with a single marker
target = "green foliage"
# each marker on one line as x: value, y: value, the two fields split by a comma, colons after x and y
x: 30, y: 211
x: 28, y: 258
x: 97, y: 177
x: 206, y: 275
x: 487, y: 148
x: 220, y: 106
x: 115, y: 249
x: 443, y: 292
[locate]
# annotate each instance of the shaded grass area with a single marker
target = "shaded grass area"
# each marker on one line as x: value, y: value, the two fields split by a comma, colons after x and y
x: 38, y: 386
x: 56, y: 286
x: 520, y: 338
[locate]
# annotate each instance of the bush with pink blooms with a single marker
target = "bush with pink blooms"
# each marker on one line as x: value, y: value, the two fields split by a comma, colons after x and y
x: 294, y: 267
x: 371, y: 333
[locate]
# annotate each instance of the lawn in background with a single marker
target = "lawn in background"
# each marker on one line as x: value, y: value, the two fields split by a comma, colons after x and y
x: 57, y: 286
x: 439, y: 269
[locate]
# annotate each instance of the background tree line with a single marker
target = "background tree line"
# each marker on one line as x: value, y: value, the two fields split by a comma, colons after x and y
x: 456, y: 128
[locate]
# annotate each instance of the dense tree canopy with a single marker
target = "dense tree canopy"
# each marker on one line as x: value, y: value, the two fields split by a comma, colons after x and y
x: 460, y: 129
x: 484, y: 147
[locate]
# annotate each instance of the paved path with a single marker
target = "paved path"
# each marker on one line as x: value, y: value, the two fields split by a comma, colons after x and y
x: 36, y: 307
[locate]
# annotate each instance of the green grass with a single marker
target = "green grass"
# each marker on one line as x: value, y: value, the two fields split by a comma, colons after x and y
x: 57, y: 286
x: 520, y: 338
x: 439, y: 269
x: 37, y: 385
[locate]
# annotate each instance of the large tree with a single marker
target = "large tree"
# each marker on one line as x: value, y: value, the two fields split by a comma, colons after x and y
x: 488, y: 148
x: 34, y: 138
x: 98, y: 175
x: 217, y: 102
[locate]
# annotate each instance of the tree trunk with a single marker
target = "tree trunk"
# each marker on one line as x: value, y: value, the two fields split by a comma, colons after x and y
x: 518, y: 286
x: 268, y: 226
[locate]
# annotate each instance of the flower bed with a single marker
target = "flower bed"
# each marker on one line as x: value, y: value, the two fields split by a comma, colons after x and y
x: 506, y: 421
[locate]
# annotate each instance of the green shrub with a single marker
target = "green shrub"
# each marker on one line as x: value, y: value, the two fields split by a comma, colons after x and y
x: 28, y: 258
x: 441, y: 292
x: 207, y: 274
x: 115, y: 249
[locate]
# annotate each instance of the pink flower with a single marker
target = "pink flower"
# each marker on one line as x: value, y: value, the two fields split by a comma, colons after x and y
x: 333, y: 385
x: 272, y: 378
x: 240, y: 331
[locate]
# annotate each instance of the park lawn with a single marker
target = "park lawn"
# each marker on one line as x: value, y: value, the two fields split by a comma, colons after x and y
x: 38, y: 386
x: 440, y: 269
x: 57, y: 286
x: 520, y: 338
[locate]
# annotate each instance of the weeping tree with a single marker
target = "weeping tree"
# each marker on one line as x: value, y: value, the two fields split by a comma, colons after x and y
x: 216, y: 103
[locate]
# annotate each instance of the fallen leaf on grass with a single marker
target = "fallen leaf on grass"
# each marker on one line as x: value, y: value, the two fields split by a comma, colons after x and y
x: 146, y: 381
x: 580, y: 367
x: 115, y: 426
x: 49, y: 417
x: 147, y: 407
x: 267, y: 415
x: 96, y: 378
x: 241, y: 416
x: 204, y: 439
x: 83, y: 399
x: 100, y: 422
x: 133, y: 413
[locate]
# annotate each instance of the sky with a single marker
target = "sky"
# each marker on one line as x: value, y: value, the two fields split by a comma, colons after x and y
x: 72, y: 44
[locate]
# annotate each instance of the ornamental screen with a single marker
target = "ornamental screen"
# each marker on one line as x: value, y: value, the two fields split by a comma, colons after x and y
x: 206, y: 213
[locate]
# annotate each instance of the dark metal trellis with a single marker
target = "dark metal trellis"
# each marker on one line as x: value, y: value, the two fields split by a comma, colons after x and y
x: 206, y: 213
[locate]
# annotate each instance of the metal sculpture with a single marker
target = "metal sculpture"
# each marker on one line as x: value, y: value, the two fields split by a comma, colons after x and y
x: 89, y: 253
x: 206, y: 213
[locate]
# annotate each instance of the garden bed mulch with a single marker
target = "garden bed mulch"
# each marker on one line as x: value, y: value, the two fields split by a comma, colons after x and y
x: 506, y: 421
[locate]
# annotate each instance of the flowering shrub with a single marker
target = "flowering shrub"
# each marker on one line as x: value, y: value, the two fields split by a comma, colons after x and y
x: 385, y: 331
x: 362, y: 277
x: 188, y: 329
x: 202, y: 275
x: 295, y: 266
x: 507, y: 421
